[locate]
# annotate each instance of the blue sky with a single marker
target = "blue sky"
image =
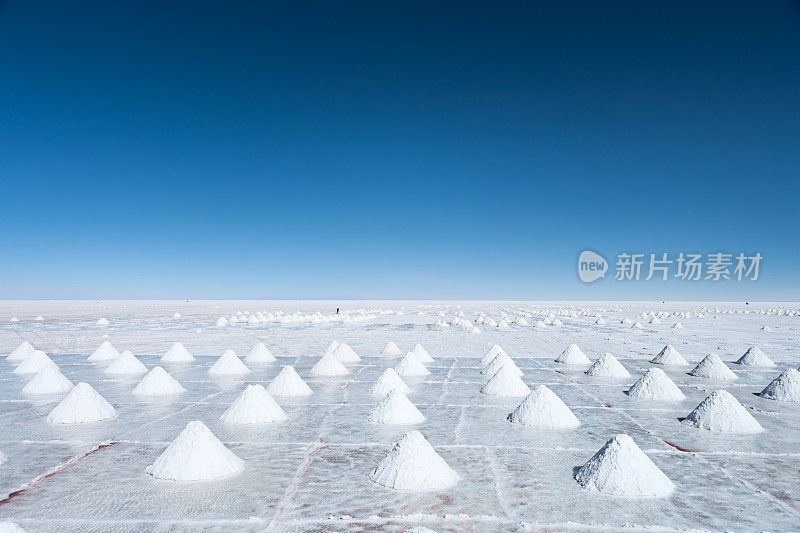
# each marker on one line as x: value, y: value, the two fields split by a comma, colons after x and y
x: 462, y: 150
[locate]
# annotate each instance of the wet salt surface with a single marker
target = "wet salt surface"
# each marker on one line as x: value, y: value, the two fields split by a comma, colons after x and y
x: 311, y: 472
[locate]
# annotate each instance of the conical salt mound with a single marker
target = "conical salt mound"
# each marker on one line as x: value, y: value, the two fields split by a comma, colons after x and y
x: 254, y: 406
x: 493, y: 351
x: 82, y: 405
x: 669, y: 356
x: 345, y: 353
x: 49, y: 380
x: 655, y: 385
x: 126, y: 364
x: 721, y: 411
x: 288, y: 383
x: 332, y: 346
x: 502, y: 360
x: 34, y: 363
x: 228, y: 364
x: 158, y: 382
x: 621, y: 468
x: 573, y: 355
x: 196, y: 455
x: 422, y: 354
x: 104, y: 352
x: 328, y: 366
x: 396, y: 408
x: 712, y: 367
x: 410, y: 365
x: 13, y: 527
x: 389, y: 381
x: 392, y: 349
x: 177, y: 354
x: 542, y: 408
x: 755, y: 357
x: 260, y: 354
x: 607, y: 366
x: 413, y: 464
x: 784, y: 388
x: 506, y: 382
x: 21, y: 352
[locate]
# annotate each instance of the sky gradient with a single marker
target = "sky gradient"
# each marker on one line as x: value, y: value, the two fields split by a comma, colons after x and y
x: 462, y: 150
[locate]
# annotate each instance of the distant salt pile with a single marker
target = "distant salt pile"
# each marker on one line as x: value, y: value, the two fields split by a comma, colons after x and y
x: 712, y: 367
x: 607, y: 366
x: 491, y: 353
x: 14, y: 319
x: 410, y: 365
x: 158, y: 382
x: 655, y: 321
x: 34, y: 363
x: 573, y: 355
x: 422, y: 354
x: 621, y: 468
x: 10, y: 527
x: 784, y: 388
x: 126, y: 364
x: 328, y: 366
x: 177, y: 354
x: 766, y: 328
x: 345, y: 353
x: 413, y: 465
x: 599, y: 321
x: 756, y: 358
x: 177, y: 316
x: 542, y: 408
x: 221, y: 322
x: 502, y: 360
x: 626, y: 321
x: 677, y: 325
x: 254, y: 406
x: 196, y: 455
x: 228, y: 364
x: 40, y: 318
x: 104, y: 352
x: 395, y: 408
x: 669, y: 356
x: 82, y: 405
x: 506, y: 382
x: 21, y: 352
x: 392, y: 349
x: 637, y: 325
x: 721, y: 411
x: 49, y: 380
x: 419, y: 529
x: 260, y: 354
x: 655, y: 385
x: 288, y: 383
x: 102, y: 322
x: 389, y: 381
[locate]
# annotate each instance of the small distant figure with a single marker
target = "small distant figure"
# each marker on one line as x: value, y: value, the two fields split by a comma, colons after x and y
x: 337, y: 310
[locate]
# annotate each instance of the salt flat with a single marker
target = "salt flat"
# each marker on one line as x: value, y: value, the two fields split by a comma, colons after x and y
x: 311, y: 472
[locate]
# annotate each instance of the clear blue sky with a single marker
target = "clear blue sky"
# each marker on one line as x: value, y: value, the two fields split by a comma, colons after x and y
x: 370, y: 149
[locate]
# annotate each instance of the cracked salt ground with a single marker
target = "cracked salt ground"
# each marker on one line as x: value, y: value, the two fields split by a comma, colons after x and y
x: 311, y: 471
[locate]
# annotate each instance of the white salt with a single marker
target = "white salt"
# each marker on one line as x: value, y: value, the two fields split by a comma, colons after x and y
x: 410, y: 365
x: 655, y: 385
x: 712, y: 367
x: 756, y: 358
x: 177, y: 354
x: 389, y: 381
x: 34, y: 363
x: 607, y: 366
x: 784, y: 388
x: 104, y: 352
x: 413, y: 465
x: 573, y: 355
x: 328, y: 366
x: 21, y: 352
x: 126, y: 364
x: 254, y: 406
x: 669, y: 356
x: 82, y: 405
x: 395, y: 408
x: 288, y: 383
x: 392, y: 349
x: 542, y: 408
x: 228, y: 364
x: 158, y: 382
x: 722, y: 412
x: 260, y: 354
x: 506, y: 382
x: 49, y: 380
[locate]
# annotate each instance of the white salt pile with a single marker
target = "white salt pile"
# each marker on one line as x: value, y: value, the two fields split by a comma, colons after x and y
x: 40, y: 318
x: 721, y: 411
x: 345, y: 353
x: 506, y: 382
x: 621, y: 468
x: 493, y: 351
x: 655, y: 385
x: 607, y: 366
x: 158, y: 382
x: 288, y: 383
x: 82, y: 405
x: 104, y: 352
x: 102, y: 322
x: 669, y: 356
x: 413, y: 464
x: 542, y: 408
x: 49, y: 380
x: 755, y: 357
x: 177, y: 354
x: 389, y: 381
x: 395, y: 408
x: 392, y: 349
x: 254, y: 406
x: 260, y: 354
x: 784, y: 388
x: 126, y: 364
x: 328, y: 366
x: 228, y: 364
x: 677, y: 325
x: 502, y: 360
x: 410, y: 365
x: 221, y: 322
x: 196, y: 455
x: 34, y: 363
x: 177, y: 316
x: 21, y: 352
x: 422, y: 354
x: 712, y: 367
x: 637, y: 325
x: 420, y: 529
x: 573, y: 355
x: 766, y: 328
